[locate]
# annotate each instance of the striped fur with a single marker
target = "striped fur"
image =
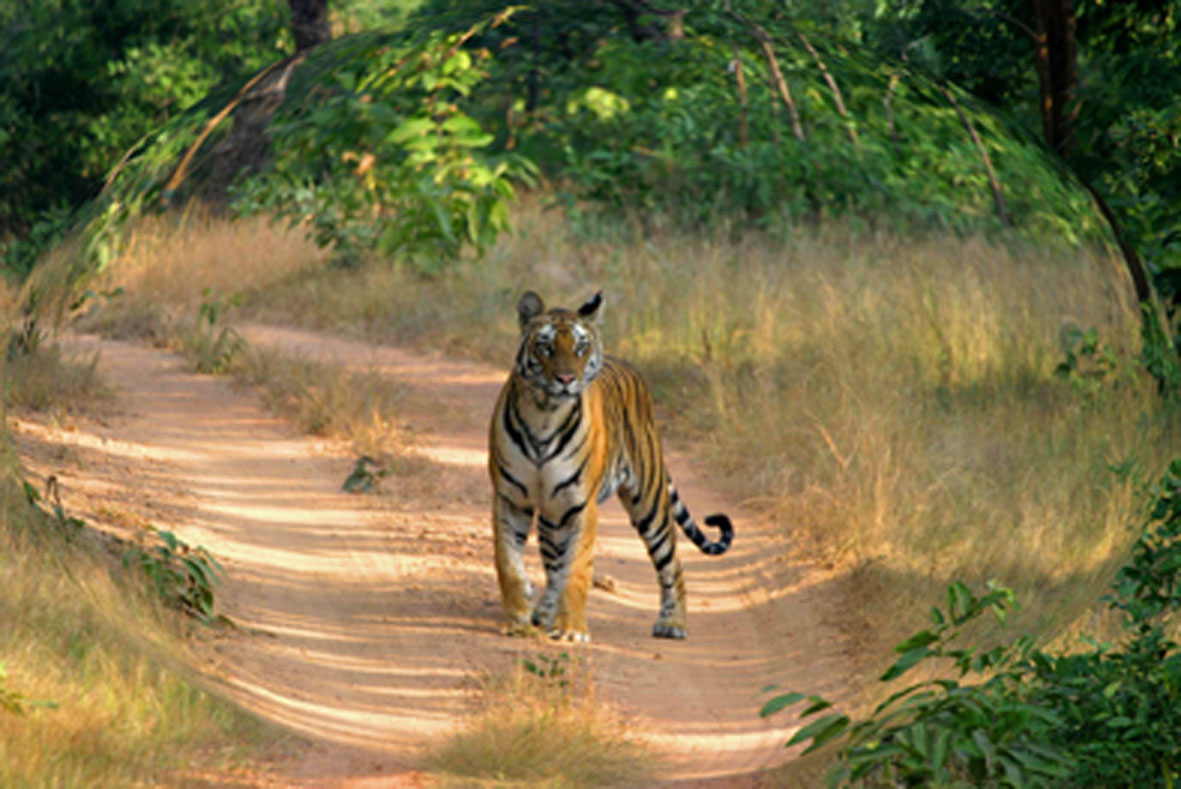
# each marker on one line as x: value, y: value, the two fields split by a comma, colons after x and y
x: 571, y: 428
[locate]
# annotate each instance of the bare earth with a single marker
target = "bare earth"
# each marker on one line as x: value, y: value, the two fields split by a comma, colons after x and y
x: 364, y: 620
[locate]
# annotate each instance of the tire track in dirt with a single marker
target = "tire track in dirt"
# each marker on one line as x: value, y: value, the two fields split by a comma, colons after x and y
x: 365, y: 619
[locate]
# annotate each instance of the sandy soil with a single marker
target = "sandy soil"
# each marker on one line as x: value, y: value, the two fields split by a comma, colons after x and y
x: 364, y: 620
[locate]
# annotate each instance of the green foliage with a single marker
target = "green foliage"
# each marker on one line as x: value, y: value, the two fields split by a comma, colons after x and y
x: 182, y: 576
x: 82, y: 86
x: 1129, y: 95
x: 380, y: 158
x: 366, y: 475
x: 1108, y: 716
x: 658, y: 127
x: 1160, y: 354
x: 213, y: 348
x: 550, y: 669
x: 1090, y: 364
x: 940, y: 731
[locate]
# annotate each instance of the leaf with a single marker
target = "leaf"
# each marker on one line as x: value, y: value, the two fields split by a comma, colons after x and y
x: 939, y: 749
x: 920, y: 639
x: 817, y: 705
x: 462, y: 126
x: 905, y: 663
x: 830, y: 732
x: 820, y: 731
x: 410, y: 129
x: 959, y: 601
x: 987, y: 749
x: 898, y: 695
x: 780, y: 702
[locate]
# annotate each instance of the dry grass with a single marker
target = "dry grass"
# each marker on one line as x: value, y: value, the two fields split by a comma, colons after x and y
x: 542, y: 724
x: 891, y: 401
x: 323, y: 398
x: 49, y: 379
x: 172, y: 259
x: 92, y: 673
x: 171, y: 265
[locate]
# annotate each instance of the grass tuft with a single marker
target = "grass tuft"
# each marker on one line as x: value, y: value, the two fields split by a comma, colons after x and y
x: 48, y: 378
x: 323, y: 398
x: 542, y: 723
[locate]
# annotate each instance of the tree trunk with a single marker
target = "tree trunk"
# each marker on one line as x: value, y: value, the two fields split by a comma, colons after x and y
x: 309, y: 23
x: 1056, y: 56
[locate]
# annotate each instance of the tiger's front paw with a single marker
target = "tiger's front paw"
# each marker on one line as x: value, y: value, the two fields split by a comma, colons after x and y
x: 570, y: 636
x: 521, y: 630
x: 666, y: 629
x: 544, y: 613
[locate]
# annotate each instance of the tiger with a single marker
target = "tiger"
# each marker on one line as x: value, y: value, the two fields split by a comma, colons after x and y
x: 571, y: 427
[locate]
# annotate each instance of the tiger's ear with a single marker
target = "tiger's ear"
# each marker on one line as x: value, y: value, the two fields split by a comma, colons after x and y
x: 591, y: 308
x: 529, y: 307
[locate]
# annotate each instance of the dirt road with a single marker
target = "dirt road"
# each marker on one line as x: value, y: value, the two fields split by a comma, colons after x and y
x: 364, y: 619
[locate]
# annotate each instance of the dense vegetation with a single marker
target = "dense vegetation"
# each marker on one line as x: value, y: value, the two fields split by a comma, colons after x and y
x: 682, y: 108
x: 1104, y: 716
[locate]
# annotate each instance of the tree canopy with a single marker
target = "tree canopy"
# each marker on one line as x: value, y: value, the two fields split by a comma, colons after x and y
x: 930, y: 113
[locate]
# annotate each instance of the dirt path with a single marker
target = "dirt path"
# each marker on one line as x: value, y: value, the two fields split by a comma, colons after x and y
x: 364, y: 619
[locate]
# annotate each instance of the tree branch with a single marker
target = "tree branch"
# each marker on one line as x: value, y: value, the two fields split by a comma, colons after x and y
x: 992, y: 181
x: 780, y: 83
x: 832, y: 85
x: 743, y: 129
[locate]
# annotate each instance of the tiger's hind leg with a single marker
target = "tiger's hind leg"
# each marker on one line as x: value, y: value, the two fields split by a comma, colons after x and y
x: 511, y: 526
x: 650, y: 515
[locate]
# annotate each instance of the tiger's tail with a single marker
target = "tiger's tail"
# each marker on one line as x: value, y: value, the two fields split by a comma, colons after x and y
x: 689, y: 526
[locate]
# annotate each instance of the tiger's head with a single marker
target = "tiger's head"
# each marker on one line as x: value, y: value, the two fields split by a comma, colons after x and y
x: 560, y: 351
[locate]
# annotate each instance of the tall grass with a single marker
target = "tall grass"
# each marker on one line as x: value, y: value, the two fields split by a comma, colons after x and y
x: 889, y: 400
x: 324, y: 398
x: 172, y: 264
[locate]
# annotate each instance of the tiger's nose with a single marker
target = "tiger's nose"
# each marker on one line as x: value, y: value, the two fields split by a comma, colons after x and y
x: 564, y: 378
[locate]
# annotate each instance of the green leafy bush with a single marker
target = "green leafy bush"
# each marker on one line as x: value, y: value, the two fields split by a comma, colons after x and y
x: 181, y: 575
x: 1108, y: 716
x: 380, y: 158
